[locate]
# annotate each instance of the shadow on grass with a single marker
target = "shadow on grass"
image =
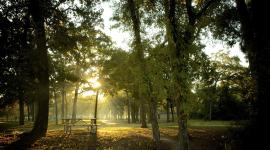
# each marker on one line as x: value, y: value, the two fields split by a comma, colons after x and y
x: 93, y: 142
x: 24, y: 142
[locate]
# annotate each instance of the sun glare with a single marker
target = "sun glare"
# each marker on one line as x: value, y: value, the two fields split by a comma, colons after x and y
x: 94, y: 82
x: 96, y: 85
x: 88, y: 93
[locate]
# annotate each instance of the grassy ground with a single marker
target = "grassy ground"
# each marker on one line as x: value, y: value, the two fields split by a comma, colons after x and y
x: 204, y: 135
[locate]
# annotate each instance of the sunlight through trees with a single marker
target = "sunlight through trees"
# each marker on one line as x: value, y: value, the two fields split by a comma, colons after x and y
x: 66, y: 77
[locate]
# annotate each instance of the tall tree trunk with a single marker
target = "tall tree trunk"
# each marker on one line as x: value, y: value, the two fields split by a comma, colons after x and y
x: 33, y: 111
x: 154, y: 122
x: 74, y: 110
x: 143, y: 116
x: 133, y: 10
x: 179, y: 67
x: 63, y: 102
x: 55, y: 107
x: 148, y: 116
x: 66, y: 105
x: 168, y: 109
x: 37, y: 8
x: 21, y: 107
x: 96, y: 104
x: 256, y: 39
x: 133, y: 116
x: 28, y: 112
x: 172, y: 110
x: 136, y: 113
x: 128, y: 107
x: 23, y: 55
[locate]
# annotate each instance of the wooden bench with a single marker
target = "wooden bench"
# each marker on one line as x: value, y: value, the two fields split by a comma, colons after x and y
x: 69, y: 123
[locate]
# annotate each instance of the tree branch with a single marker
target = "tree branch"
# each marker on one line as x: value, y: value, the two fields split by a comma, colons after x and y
x: 204, y: 9
x: 242, y: 11
x: 190, y: 12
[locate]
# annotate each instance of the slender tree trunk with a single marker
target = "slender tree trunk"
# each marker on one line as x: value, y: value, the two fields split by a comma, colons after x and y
x: 21, y: 107
x: 23, y: 54
x: 172, y: 110
x: 66, y: 105
x: 96, y: 104
x: 168, y: 109
x: 148, y: 117
x: 136, y: 108
x: 74, y: 110
x: 133, y: 10
x: 41, y: 122
x: 28, y: 112
x: 56, y: 107
x: 63, y: 102
x: 33, y: 111
x: 128, y: 107
x: 143, y: 116
x: 133, y: 117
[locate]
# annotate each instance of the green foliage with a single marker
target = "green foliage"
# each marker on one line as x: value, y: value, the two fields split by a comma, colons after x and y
x: 225, y: 23
x: 223, y: 86
x: 16, y: 69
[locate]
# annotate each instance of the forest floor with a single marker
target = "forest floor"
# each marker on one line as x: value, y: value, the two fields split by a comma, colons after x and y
x: 122, y: 136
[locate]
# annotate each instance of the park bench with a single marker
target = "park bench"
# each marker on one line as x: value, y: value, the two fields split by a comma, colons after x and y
x: 69, y: 123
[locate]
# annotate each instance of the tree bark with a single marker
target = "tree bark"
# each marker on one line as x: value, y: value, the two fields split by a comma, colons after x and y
x: 154, y: 122
x: 37, y: 8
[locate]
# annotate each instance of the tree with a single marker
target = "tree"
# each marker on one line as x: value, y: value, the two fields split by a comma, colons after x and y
x: 54, y: 37
x: 257, y: 47
x: 118, y: 75
x: 41, y: 124
x: 16, y: 79
x: 254, y: 35
x: 36, y: 10
x: 181, y: 36
x: 220, y: 87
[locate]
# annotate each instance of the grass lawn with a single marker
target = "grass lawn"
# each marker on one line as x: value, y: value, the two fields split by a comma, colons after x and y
x: 204, y: 135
